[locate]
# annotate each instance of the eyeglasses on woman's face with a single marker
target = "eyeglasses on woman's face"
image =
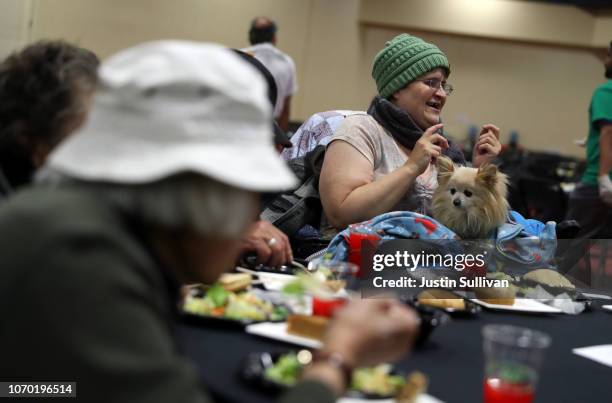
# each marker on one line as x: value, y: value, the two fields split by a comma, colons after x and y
x: 436, y: 84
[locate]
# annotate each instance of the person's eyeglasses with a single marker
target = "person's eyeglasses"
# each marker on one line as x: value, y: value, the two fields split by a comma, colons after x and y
x: 435, y: 84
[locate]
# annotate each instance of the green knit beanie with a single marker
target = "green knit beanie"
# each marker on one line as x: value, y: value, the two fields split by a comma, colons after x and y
x: 402, y: 60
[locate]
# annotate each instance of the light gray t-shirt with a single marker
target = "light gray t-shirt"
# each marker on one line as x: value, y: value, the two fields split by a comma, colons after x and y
x: 364, y: 133
x: 281, y: 67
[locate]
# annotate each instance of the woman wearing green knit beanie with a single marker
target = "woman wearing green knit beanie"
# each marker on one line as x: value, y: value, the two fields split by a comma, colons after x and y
x: 383, y: 160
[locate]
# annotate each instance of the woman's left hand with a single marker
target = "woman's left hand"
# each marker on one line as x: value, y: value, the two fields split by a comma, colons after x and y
x: 487, y: 147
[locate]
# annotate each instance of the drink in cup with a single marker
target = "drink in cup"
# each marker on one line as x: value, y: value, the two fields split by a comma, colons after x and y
x: 334, y: 276
x: 513, y: 357
x: 322, y: 306
x: 357, y: 235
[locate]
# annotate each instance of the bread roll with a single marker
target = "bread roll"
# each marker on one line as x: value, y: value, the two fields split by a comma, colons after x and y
x: 499, y: 296
x: 550, y: 278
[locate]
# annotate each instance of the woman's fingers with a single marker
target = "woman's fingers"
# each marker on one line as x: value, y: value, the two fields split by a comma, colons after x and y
x: 433, y: 129
x: 490, y: 128
x: 486, y: 149
x: 439, y: 140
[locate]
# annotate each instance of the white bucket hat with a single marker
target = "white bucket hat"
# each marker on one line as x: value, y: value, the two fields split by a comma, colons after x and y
x: 173, y: 106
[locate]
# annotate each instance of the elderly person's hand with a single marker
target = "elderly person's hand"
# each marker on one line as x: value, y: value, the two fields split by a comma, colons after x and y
x: 487, y: 147
x: 269, y: 243
x: 364, y: 333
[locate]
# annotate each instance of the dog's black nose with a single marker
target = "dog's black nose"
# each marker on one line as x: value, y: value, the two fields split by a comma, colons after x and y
x: 457, y: 202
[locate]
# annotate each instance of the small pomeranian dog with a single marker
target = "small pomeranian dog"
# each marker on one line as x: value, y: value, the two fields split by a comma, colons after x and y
x: 472, y: 202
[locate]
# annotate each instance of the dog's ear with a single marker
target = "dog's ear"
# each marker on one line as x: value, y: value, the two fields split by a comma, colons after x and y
x: 487, y: 175
x: 445, y: 169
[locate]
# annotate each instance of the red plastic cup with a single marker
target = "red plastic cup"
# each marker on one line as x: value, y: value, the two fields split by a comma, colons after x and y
x: 355, y: 242
x: 326, y: 307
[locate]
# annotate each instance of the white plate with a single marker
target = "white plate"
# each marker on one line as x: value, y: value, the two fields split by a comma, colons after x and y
x: 423, y: 398
x: 596, y: 296
x: 608, y: 307
x: 521, y: 305
x: 601, y: 354
x: 275, y: 281
x: 278, y: 331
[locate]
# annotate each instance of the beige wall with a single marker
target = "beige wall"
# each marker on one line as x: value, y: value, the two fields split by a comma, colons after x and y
x: 540, y: 90
x: 14, y: 24
x: 603, y: 29
x: 106, y: 26
x: 502, y: 19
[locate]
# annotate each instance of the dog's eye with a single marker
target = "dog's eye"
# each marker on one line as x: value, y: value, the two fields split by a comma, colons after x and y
x: 453, y: 191
x: 467, y: 193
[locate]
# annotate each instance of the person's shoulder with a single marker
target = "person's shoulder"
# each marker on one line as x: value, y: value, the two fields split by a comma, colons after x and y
x: 285, y: 56
x: 54, y: 207
x: 272, y: 51
x: 72, y: 233
x: 363, y: 122
x: 360, y: 127
x: 604, y: 88
x: 263, y: 48
x: 44, y: 218
x: 607, y: 85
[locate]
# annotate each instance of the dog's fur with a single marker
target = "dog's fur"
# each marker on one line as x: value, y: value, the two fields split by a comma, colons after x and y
x: 472, y: 202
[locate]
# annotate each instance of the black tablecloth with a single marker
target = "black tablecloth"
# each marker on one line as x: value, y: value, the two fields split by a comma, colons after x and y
x: 452, y: 359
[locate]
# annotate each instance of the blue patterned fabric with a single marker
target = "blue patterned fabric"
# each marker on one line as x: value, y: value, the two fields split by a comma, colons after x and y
x: 520, y: 244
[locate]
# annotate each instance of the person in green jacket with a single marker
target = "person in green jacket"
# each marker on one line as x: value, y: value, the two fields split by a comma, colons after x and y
x: 591, y: 202
x: 154, y: 191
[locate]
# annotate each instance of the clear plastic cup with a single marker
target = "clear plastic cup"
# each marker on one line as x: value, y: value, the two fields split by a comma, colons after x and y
x: 339, y: 276
x: 513, y: 357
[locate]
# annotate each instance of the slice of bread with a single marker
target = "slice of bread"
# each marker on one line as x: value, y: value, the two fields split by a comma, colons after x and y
x: 313, y: 327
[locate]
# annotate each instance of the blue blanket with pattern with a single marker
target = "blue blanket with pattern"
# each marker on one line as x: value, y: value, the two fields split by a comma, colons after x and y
x: 520, y: 244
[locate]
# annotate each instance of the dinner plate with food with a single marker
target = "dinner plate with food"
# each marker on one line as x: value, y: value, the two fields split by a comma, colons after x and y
x: 309, y: 330
x: 269, y: 280
x: 448, y: 301
x: 538, y: 291
x: 294, y: 267
x: 273, y: 372
x: 302, y: 330
x: 518, y: 305
x: 230, y: 302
